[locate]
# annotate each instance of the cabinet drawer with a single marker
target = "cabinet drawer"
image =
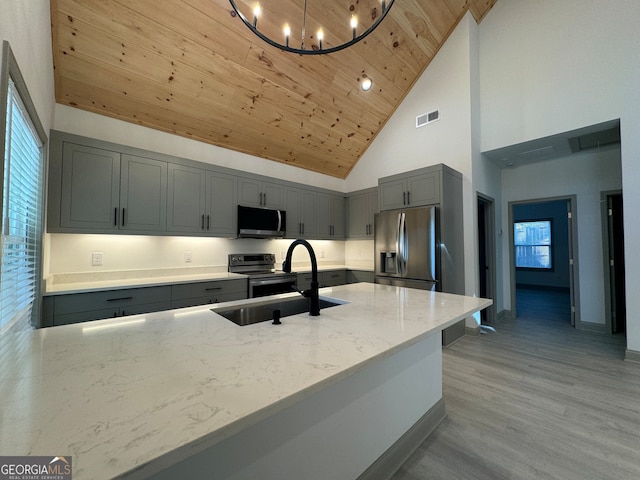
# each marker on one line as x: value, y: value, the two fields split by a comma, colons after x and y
x: 113, y: 299
x: 333, y: 278
x: 208, y: 299
x: 208, y: 289
x: 77, y: 317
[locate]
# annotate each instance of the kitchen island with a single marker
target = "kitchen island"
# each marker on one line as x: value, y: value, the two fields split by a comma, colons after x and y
x: 184, y: 392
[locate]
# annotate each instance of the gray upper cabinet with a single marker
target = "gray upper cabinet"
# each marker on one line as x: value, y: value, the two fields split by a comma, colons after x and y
x: 330, y: 216
x: 363, y: 206
x: 143, y: 194
x: 100, y: 187
x: 186, y: 200
x: 90, y: 188
x: 102, y: 190
x: 221, y: 218
x: 409, y: 190
x: 300, y: 205
x: 257, y: 193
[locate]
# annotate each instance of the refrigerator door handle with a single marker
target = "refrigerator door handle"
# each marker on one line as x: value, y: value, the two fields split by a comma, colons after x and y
x: 399, y: 244
x: 405, y: 244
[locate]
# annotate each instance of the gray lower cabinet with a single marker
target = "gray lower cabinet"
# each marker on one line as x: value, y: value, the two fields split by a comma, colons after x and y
x: 80, y: 307
x: 99, y: 191
x: 357, y: 276
x: 363, y: 206
x: 327, y: 278
x: 203, y: 293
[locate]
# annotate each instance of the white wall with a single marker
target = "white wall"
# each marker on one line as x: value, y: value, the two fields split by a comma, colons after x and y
x: 26, y: 25
x: 584, y: 175
x: 552, y: 66
x: 400, y: 146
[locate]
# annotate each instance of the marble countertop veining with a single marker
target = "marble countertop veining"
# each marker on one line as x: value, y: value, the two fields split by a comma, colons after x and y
x: 130, y: 396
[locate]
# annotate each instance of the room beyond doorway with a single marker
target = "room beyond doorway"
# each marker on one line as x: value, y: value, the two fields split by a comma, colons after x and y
x: 542, y: 239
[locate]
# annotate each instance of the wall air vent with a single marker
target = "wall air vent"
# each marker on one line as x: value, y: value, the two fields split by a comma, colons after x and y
x: 426, y: 118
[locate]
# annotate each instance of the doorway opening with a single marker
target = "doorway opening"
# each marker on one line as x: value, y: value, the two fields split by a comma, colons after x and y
x: 487, y: 256
x: 613, y: 245
x: 543, y: 270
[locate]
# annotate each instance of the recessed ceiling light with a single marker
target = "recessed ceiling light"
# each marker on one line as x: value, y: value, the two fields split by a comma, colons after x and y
x: 366, y: 84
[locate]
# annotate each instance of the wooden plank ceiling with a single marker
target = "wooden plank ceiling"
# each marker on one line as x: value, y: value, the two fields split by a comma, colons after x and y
x: 189, y: 67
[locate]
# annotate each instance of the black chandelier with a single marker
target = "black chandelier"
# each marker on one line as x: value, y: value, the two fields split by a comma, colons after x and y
x: 315, y: 49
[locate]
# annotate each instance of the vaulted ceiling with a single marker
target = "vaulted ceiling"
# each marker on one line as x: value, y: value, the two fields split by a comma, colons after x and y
x: 191, y: 68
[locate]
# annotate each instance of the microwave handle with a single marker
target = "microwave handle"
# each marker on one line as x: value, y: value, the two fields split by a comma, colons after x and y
x: 279, y: 220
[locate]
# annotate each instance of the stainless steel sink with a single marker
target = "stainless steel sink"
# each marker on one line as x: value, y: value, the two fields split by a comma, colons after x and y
x: 263, y: 312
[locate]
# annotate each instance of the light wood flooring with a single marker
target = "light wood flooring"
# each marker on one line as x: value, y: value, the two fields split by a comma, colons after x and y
x: 535, y: 400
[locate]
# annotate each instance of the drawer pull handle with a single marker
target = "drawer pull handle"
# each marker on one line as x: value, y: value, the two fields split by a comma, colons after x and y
x: 120, y: 298
x: 212, y: 288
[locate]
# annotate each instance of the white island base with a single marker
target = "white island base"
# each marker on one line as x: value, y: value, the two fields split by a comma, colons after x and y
x: 341, y: 431
x: 188, y: 394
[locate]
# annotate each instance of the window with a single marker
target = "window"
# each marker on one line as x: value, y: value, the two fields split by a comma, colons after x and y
x: 22, y: 175
x: 532, y: 241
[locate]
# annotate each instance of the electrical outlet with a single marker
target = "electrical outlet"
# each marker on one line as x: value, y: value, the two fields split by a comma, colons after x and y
x: 187, y: 257
x: 359, y: 253
x: 283, y: 254
x: 96, y: 259
x: 321, y: 253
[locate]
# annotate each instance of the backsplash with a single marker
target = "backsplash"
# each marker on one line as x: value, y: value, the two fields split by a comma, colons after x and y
x: 70, y: 254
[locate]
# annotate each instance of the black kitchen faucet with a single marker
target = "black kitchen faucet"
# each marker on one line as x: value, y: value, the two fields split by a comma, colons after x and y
x: 312, y: 293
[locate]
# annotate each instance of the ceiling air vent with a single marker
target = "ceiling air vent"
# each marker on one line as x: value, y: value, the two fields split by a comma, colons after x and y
x: 425, y: 118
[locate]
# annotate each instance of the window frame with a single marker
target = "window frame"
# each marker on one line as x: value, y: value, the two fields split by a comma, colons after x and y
x: 9, y: 69
x: 551, y: 244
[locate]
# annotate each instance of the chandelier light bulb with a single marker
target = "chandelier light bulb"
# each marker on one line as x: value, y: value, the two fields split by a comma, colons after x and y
x: 354, y: 24
x: 320, y: 38
x: 287, y: 33
x: 256, y: 14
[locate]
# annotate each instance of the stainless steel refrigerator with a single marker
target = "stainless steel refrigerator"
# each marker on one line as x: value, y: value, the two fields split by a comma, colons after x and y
x: 422, y: 248
x: 407, y: 248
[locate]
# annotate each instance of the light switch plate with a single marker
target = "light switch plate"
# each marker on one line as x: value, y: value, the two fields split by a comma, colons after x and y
x: 96, y: 259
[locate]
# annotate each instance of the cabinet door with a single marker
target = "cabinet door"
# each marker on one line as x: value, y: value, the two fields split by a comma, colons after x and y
x: 293, y: 207
x: 249, y: 192
x: 186, y: 199
x: 324, y: 216
x: 359, y: 217
x: 423, y: 189
x: 392, y: 194
x: 143, y: 194
x: 90, y: 188
x: 308, y: 211
x: 373, y: 209
x: 272, y: 195
x: 337, y: 216
x: 221, y: 215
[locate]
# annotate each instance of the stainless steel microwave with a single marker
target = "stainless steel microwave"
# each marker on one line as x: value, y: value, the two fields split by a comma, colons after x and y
x: 254, y: 222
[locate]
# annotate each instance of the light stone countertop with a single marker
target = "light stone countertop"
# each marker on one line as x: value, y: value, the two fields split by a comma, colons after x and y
x: 133, y: 395
x: 85, y: 283
x: 87, y: 286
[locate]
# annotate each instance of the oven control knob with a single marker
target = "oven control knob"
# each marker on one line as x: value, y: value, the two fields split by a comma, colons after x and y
x: 272, y: 258
x: 234, y: 259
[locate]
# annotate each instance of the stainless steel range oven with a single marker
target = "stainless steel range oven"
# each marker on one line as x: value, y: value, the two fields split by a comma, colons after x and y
x: 263, y: 278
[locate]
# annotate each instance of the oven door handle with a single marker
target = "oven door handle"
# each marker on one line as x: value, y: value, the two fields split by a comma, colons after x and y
x: 272, y: 281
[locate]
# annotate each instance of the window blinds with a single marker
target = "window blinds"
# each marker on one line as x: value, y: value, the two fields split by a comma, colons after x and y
x: 21, y: 215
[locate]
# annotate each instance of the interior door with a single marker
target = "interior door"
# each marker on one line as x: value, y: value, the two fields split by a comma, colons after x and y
x: 616, y: 263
